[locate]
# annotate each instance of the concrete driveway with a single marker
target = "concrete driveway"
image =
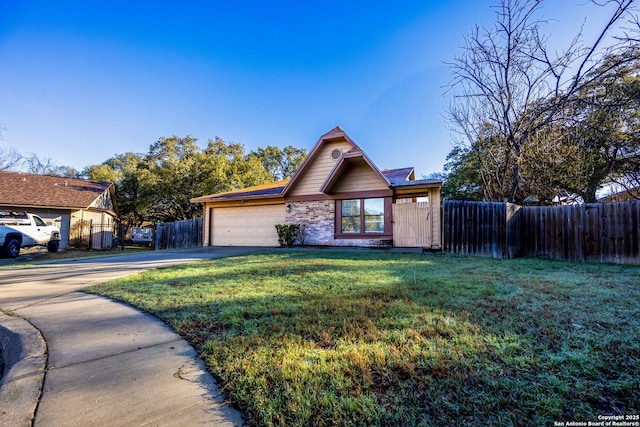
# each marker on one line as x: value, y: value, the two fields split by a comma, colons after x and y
x: 80, y: 359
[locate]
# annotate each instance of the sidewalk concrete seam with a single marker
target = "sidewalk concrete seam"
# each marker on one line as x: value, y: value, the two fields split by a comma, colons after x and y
x: 133, y: 350
x: 91, y: 405
x: 13, y: 310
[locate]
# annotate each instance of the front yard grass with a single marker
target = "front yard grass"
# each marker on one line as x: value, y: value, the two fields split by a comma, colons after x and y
x: 374, y: 338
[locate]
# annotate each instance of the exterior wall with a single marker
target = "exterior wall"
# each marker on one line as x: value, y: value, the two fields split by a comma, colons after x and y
x: 207, y: 214
x: 318, y: 219
x: 359, y: 177
x: 103, y: 202
x: 102, y: 232
x: 319, y: 169
x: 94, y: 217
x: 435, y: 213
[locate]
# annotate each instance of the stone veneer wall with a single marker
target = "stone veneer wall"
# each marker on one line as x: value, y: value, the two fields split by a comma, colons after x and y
x: 318, y: 219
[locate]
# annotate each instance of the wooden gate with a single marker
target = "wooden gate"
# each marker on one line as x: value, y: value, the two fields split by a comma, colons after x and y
x: 412, y: 225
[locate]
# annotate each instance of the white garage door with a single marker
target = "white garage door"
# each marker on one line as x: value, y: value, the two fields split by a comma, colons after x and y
x: 246, y: 226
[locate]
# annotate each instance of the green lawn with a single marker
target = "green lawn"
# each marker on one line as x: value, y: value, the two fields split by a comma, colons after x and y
x: 324, y: 337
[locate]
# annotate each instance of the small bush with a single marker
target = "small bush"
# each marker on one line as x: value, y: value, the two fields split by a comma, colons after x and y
x: 287, y: 233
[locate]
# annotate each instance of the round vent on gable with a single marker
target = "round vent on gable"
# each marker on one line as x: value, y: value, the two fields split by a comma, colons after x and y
x: 335, y: 154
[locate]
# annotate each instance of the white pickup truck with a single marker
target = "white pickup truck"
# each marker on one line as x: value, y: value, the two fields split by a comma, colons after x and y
x: 24, y: 230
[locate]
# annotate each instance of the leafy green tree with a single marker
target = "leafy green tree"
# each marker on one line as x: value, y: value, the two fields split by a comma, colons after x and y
x: 280, y: 163
x: 462, y: 180
x: 228, y: 167
x: 126, y: 172
x: 172, y: 178
x: 102, y: 172
x: 158, y: 186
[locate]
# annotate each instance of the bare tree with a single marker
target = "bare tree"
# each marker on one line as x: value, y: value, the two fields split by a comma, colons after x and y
x: 32, y: 163
x: 9, y: 158
x: 509, y: 89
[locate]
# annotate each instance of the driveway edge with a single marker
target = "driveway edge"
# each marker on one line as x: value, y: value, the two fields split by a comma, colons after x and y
x: 24, y: 351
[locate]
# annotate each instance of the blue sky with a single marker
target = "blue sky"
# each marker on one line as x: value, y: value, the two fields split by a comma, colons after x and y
x: 81, y: 81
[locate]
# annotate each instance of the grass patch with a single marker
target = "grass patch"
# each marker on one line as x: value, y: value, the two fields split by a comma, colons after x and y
x: 373, y: 338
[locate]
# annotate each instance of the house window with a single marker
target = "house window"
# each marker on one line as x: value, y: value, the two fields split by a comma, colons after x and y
x: 361, y: 217
x: 374, y: 215
x: 351, y: 216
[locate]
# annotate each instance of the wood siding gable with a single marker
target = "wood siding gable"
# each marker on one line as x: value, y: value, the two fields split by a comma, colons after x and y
x: 106, y: 201
x: 313, y: 174
x: 359, y: 177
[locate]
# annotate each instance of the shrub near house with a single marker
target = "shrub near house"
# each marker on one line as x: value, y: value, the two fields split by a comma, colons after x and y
x: 287, y: 233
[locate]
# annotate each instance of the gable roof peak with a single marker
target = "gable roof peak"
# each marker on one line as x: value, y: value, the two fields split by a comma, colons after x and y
x: 336, y: 132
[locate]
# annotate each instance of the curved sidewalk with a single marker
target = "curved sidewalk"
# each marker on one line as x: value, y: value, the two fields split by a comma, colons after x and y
x: 87, y: 360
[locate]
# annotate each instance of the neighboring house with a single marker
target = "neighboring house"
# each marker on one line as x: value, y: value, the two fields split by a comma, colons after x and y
x: 64, y: 202
x: 339, y: 197
x: 622, y: 195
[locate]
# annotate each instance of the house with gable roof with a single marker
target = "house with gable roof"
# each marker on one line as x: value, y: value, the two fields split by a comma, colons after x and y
x: 338, y: 196
x: 63, y: 202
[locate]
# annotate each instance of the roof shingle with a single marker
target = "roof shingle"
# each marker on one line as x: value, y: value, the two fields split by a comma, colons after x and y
x: 20, y: 189
x: 270, y: 189
x: 397, y: 176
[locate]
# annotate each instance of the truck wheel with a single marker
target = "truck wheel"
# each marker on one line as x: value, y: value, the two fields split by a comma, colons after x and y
x: 12, y: 248
x: 53, y: 246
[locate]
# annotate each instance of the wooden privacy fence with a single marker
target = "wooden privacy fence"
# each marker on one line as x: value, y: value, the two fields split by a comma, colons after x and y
x: 412, y: 225
x: 180, y: 234
x: 604, y: 232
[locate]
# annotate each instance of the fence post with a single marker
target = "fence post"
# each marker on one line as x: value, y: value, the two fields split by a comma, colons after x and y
x: 90, y: 234
x: 514, y: 229
x: 157, y: 236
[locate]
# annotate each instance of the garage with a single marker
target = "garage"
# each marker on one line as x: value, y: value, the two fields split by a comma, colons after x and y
x: 246, y: 225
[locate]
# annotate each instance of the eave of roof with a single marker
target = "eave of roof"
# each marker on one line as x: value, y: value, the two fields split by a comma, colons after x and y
x: 416, y: 188
x: 348, y: 159
x: 627, y: 194
x: 398, y: 176
x: 272, y: 189
x: 420, y: 182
